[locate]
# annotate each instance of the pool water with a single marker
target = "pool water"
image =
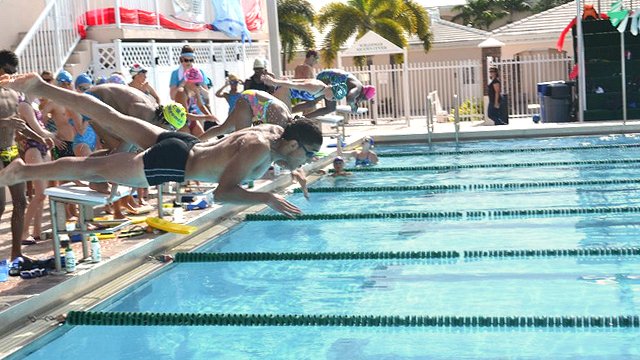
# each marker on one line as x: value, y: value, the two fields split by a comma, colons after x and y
x: 531, y: 286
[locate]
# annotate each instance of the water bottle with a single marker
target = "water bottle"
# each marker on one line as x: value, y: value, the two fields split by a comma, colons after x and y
x: 276, y: 170
x: 70, y: 260
x: 178, y: 215
x: 4, y: 270
x: 96, y: 255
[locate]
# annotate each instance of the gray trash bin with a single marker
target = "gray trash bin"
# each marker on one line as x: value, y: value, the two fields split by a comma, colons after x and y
x: 556, y: 102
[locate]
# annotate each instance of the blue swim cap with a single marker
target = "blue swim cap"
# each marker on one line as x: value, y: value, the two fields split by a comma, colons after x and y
x: 83, y: 79
x: 117, y: 79
x: 64, y: 77
x: 101, y: 80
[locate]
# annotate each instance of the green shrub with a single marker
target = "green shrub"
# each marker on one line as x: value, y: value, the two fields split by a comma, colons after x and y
x: 471, y: 106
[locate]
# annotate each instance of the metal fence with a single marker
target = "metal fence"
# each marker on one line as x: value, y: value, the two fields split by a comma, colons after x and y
x: 521, y: 75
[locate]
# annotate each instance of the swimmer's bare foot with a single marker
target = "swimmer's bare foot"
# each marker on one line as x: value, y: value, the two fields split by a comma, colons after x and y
x: 100, y: 187
x: 10, y: 174
x: 21, y: 82
x: 118, y: 215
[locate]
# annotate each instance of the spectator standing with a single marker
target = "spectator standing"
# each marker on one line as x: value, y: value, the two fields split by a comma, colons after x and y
x: 255, y: 81
x: 306, y: 70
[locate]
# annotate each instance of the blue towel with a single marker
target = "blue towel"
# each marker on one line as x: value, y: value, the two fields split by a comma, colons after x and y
x: 230, y: 19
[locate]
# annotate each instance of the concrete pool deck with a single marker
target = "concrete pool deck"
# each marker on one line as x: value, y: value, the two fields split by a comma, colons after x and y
x: 28, y: 307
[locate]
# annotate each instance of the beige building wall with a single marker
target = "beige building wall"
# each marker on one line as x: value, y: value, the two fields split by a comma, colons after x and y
x: 16, y: 17
x: 531, y: 48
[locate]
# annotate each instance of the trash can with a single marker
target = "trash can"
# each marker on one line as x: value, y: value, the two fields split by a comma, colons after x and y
x: 555, y: 101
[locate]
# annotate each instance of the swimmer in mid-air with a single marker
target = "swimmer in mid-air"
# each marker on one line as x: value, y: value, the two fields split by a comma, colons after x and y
x: 171, y: 156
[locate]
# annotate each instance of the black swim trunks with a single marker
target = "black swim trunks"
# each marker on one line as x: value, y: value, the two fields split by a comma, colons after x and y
x: 167, y: 159
x: 66, y: 152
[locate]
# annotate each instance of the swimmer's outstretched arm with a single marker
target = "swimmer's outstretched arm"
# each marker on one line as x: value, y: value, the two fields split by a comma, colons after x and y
x: 253, y: 156
x: 330, y: 106
x: 311, y: 85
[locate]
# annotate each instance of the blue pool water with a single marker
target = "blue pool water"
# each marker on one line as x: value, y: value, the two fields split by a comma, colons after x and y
x: 557, y: 286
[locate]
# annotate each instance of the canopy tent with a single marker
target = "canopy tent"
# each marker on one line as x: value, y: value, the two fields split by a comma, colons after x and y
x: 371, y: 44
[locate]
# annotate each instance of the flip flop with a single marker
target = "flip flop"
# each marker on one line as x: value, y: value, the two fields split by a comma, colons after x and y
x: 34, y: 273
x: 132, y: 232
x: 29, y: 241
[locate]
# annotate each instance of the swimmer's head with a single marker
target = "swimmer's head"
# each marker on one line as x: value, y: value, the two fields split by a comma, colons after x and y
x: 116, y: 78
x: 194, y: 75
x: 83, y: 82
x: 136, y: 69
x: 175, y: 114
x: 64, y: 78
x: 367, y: 141
x: 101, y: 80
x: 338, y: 163
x: 368, y: 92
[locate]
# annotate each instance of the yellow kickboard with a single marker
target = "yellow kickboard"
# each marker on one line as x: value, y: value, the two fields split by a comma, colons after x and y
x: 169, y: 226
x: 109, y: 220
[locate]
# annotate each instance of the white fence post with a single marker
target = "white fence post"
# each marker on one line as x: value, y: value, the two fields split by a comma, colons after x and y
x: 116, y: 9
x: 406, y: 98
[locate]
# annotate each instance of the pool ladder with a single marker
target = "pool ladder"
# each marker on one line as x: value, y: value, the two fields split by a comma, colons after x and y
x: 430, y: 114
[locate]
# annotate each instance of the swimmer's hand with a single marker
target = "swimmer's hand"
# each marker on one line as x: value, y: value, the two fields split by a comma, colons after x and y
x: 281, y: 205
x: 21, y: 82
x: 268, y: 80
x: 298, y: 176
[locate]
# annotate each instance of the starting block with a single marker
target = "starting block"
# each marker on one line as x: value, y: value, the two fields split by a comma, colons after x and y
x: 86, y: 199
x: 338, y: 119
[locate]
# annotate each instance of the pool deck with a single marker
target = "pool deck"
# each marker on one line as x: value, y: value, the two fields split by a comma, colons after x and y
x: 28, y: 307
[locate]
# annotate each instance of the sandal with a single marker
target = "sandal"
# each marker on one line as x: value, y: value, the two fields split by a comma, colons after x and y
x: 34, y: 273
x: 29, y: 241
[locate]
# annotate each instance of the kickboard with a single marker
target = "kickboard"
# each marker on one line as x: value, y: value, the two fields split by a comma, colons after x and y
x: 106, y: 236
x: 109, y: 220
x: 169, y: 226
x: 141, y: 210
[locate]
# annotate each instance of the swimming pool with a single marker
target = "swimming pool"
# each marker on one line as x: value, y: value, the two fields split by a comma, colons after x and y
x: 549, y: 213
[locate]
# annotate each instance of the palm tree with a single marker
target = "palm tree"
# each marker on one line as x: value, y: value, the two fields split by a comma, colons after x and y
x: 479, y: 13
x: 542, y: 5
x: 514, y: 6
x: 295, y: 18
x: 394, y: 20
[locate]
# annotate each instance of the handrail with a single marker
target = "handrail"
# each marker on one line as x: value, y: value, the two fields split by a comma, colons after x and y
x: 52, y: 38
x: 34, y: 29
x: 429, y: 116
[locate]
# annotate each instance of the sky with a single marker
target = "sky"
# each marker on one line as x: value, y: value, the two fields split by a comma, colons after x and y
x: 317, y: 4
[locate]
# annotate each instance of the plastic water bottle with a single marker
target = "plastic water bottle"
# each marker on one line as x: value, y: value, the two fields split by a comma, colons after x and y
x: 96, y: 255
x: 70, y: 260
x: 4, y: 270
x: 178, y: 215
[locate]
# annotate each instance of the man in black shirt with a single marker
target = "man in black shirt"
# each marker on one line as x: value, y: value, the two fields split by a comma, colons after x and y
x: 255, y: 82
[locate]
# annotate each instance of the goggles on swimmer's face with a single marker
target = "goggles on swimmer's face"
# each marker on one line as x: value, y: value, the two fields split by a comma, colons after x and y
x: 308, y: 153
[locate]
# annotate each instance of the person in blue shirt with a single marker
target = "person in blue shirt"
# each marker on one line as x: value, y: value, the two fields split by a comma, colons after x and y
x: 187, y: 60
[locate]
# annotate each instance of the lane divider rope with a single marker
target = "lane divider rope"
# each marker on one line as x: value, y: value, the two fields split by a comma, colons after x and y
x: 471, y: 187
x: 514, y: 150
x: 197, y: 319
x: 497, y: 165
x: 461, y: 214
x: 183, y: 257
